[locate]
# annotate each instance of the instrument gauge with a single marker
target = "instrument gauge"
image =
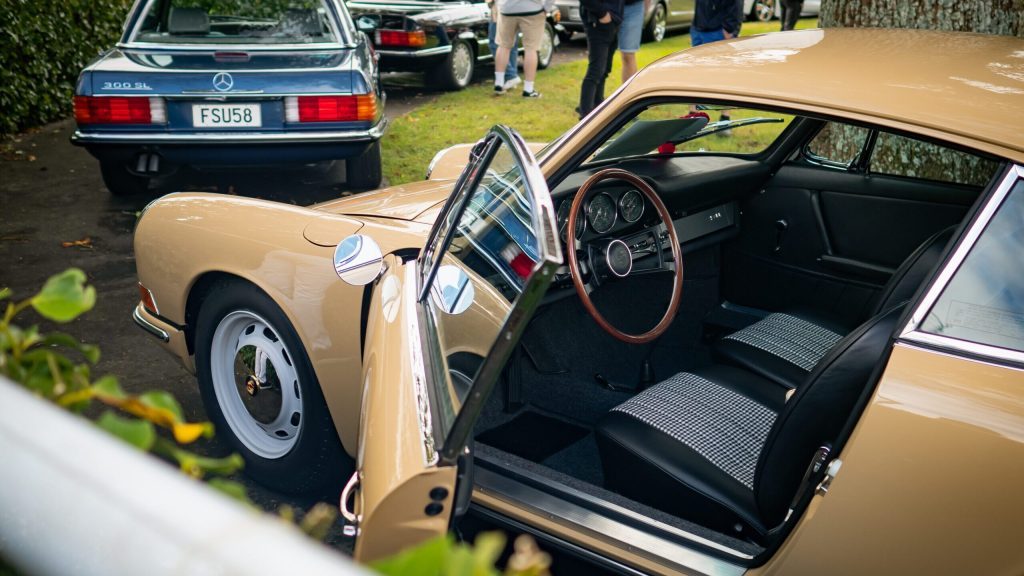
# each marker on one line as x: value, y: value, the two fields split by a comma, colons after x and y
x: 602, y: 213
x: 631, y: 206
x: 563, y: 221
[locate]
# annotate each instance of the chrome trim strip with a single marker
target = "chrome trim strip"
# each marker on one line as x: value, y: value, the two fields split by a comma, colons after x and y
x: 910, y: 344
x: 148, y: 326
x: 374, y: 133
x: 911, y: 332
x: 964, y: 346
x: 217, y: 92
x: 635, y: 540
x: 419, y: 371
x: 417, y: 54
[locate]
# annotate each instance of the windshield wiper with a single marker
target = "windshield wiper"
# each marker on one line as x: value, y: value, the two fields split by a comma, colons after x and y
x: 723, y: 125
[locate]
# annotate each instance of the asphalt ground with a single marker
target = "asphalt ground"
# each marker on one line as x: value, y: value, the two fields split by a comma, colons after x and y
x: 55, y: 213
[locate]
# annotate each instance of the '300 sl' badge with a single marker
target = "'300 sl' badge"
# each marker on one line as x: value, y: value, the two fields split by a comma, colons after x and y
x: 223, y: 81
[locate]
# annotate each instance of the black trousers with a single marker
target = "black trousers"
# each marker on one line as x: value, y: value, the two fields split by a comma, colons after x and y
x: 791, y: 13
x: 602, y: 39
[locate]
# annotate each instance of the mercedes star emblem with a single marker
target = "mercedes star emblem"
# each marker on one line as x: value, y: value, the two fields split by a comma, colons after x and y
x: 223, y: 81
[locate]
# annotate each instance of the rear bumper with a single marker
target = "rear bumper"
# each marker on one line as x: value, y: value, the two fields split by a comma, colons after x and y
x: 226, y: 149
x: 170, y: 335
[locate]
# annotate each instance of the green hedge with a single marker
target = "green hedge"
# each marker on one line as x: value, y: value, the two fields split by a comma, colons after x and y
x: 43, y: 47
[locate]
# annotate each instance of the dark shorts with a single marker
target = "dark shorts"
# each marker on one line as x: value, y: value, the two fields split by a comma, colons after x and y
x: 698, y: 37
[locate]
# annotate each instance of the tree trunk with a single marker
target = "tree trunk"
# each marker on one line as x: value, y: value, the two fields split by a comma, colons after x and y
x: 1004, y: 17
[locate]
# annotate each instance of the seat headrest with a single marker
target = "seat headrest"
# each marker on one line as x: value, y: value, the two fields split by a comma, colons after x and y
x: 300, y: 22
x: 818, y: 411
x: 188, y: 21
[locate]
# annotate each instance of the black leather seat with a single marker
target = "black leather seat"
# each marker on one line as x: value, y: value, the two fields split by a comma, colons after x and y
x: 785, y: 346
x: 722, y: 446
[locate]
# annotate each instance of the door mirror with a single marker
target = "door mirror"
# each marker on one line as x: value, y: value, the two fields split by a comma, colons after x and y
x: 358, y: 260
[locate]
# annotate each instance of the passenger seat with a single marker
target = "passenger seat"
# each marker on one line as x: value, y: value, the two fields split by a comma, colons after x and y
x: 785, y: 346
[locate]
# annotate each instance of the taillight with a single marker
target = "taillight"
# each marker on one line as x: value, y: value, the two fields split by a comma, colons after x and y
x: 330, y: 108
x: 413, y: 39
x: 120, y: 110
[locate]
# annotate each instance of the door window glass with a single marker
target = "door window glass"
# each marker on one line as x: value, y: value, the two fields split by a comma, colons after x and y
x: 984, y: 301
x: 899, y: 156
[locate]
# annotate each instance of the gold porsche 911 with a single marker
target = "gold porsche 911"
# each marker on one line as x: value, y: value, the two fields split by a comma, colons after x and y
x: 762, y: 311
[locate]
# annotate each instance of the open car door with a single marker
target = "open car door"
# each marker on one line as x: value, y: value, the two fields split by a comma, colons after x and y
x: 439, y: 332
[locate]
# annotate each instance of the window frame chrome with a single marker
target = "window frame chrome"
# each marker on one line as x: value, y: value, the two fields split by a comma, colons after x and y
x: 912, y: 332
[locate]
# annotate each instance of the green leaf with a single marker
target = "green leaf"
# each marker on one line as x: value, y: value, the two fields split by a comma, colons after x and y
x: 91, y: 353
x: 163, y: 400
x: 108, y: 386
x: 138, y: 433
x: 427, y: 559
x: 5, y: 293
x: 231, y: 488
x: 65, y: 296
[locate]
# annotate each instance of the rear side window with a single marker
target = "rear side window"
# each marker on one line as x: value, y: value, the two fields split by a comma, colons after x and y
x: 984, y: 300
x: 898, y: 156
x: 237, y: 22
x: 837, y: 145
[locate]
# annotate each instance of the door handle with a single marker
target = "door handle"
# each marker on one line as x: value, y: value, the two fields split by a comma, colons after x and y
x: 781, y: 226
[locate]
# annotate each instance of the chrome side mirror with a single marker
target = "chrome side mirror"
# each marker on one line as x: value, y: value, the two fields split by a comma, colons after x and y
x: 358, y: 260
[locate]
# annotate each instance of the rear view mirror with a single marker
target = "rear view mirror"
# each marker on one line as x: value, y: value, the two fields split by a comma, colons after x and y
x: 358, y: 260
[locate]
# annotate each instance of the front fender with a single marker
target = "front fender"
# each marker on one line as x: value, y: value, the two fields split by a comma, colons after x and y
x: 450, y: 162
x: 183, y: 238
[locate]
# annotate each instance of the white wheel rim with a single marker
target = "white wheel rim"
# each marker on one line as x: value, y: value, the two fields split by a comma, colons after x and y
x: 547, y: 47
x: 462, y: 64
x: 268, y: 421
x: 659, y: 23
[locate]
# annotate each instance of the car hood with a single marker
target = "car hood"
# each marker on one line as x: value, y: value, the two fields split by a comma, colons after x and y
x: 405, y: 202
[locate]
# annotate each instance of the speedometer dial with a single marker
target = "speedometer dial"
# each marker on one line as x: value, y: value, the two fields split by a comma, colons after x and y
x: 631, y: 206
x: 563, y: 221
x: 602, y: 213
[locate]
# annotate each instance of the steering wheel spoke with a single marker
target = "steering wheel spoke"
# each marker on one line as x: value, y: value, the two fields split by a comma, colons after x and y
x: 614, y: 258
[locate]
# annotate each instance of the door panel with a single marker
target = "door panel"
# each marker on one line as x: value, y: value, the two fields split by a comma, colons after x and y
x: 830, y: 239
x: 403, y: 498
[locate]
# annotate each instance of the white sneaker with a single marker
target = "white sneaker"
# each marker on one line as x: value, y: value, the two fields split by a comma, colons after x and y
x: 510, y: 84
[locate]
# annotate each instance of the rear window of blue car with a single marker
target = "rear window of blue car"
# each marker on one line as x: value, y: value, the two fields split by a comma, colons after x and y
x: 236, y: 22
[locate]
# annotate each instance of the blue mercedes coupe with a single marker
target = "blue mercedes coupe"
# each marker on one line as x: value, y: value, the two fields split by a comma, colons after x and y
x: 231, y: 83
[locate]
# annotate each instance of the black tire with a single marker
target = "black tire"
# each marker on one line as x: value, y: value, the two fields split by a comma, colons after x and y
x: 657, y: 25
x: 364, y: 171
x: 455, y: 72
x: 120, y: 182
x: 565, y: 35
x: 762, y: 10
x: 315, y: 463
x: 547, y: 47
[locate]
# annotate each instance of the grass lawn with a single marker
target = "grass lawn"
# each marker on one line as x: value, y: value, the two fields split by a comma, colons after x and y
x: 457, y: 117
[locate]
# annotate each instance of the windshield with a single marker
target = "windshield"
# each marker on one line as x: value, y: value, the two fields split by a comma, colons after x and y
x: 237, y: 22
x: 671, y: 128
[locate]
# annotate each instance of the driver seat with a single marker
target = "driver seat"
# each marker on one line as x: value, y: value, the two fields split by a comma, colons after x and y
x: 722, y: 446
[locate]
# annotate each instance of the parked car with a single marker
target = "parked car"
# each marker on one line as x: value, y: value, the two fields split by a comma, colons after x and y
x: 765, y: 10
x: 229, y: 84
x: 661, y: 16
x: 826, y: 389
x: 444, y: 39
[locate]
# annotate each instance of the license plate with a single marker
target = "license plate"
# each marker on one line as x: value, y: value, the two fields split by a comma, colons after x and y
x: 226, y: 115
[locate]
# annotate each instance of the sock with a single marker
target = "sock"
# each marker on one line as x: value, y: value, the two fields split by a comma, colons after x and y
x: 527, y: 86
x: 499, y: 78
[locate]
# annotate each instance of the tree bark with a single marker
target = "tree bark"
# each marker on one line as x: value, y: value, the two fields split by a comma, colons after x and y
x: 1003, y: 17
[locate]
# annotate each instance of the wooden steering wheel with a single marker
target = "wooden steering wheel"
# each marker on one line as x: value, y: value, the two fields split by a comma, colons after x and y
x: 619, y: 258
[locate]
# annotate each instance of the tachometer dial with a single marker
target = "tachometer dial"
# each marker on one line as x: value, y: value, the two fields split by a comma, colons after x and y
x: 563, y: 221
x: 602, y: 213
x: 631, y: 206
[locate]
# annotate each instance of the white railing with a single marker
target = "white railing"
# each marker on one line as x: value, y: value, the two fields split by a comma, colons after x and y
x: 74, y: 500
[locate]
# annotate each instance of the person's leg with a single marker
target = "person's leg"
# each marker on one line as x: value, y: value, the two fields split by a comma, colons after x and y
x: 533, y: 34
x: 630, y: 32
x: 506, y: 40
x: 609, y: 60
x: 598, y: 45
x: 512, y: 70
